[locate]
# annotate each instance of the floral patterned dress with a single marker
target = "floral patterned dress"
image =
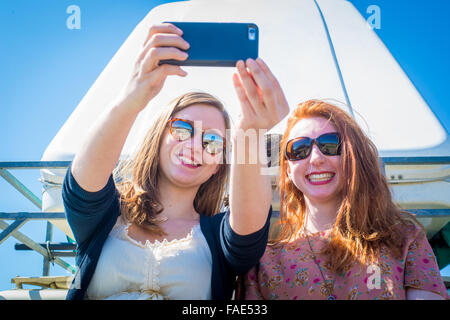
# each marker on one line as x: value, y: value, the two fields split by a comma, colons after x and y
x: 288, y: 272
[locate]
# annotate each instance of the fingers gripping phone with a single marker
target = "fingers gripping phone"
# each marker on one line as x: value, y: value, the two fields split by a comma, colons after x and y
x: 217, y: 44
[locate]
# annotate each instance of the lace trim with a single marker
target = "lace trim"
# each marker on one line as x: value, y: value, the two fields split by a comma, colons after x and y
x: 157, y: 243
x: 152, y: 274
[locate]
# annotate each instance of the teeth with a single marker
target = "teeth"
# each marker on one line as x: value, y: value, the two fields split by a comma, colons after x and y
x: 320, y: 177
x: 187, y: 161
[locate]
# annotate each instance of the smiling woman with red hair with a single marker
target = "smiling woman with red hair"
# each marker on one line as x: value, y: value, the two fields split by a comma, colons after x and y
x: 340, y: 236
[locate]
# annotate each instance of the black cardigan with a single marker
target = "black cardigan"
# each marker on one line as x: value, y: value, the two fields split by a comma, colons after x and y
x: 92, y: 215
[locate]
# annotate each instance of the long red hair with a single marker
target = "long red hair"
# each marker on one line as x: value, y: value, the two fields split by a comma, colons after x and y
x: 367, y: 218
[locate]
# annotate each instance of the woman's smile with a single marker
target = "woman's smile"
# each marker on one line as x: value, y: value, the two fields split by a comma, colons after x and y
x: 320, y: 178
x: 188, y: 161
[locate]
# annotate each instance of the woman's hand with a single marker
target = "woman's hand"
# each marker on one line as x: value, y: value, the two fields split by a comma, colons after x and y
x: 262, y: 100
x: 163, y: 42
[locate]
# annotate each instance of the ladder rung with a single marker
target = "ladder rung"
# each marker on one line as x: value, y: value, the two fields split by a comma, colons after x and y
x: 51, y: 246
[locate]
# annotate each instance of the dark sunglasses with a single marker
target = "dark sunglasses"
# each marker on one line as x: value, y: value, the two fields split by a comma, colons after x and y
x: 182, y: 130
x: 300, y: 148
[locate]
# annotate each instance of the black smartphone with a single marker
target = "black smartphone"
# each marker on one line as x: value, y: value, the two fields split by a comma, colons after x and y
x: 217, y: 44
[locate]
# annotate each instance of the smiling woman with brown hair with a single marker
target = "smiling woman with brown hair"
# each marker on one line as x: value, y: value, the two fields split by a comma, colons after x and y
x: 340, y: 235
x: 139, y: 194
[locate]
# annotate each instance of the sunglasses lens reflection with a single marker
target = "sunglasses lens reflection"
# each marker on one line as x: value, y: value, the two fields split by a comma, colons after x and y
x: 300, y: 149
x: 181, y: 130
x: 212, y: 143
x: 329, y: 144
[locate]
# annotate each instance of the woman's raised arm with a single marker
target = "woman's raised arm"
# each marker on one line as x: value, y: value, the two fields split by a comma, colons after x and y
x: 263, y: 105
x: 95, y: 161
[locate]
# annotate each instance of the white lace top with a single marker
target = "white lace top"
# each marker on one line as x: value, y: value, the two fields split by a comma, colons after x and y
x: 177, y: 269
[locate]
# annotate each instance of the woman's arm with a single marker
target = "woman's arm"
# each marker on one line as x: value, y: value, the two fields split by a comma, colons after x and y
x: 422, y: 279
x: 417, y: 294
x: 93, y: 164
x: 263, y: 105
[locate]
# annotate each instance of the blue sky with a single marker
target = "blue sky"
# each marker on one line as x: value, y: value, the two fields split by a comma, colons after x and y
x: 46, y: 69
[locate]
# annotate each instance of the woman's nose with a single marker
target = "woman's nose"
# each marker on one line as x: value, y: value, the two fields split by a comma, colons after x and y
x: 194, y: 146
x: 317, y: 156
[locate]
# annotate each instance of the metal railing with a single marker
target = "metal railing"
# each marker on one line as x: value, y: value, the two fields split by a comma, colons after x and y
x: 47, y: 249
x: 53, y: 251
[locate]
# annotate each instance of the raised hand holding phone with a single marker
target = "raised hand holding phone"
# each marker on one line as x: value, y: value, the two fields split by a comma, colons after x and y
x: 98, y: 156
x: 163, y: 42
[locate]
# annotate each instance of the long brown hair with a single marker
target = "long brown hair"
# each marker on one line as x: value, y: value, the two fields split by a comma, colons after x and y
x: 138, y: 187
x: 367, y: 218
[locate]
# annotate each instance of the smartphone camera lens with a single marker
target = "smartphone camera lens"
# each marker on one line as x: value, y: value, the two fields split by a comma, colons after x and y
x: 251, y: 33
